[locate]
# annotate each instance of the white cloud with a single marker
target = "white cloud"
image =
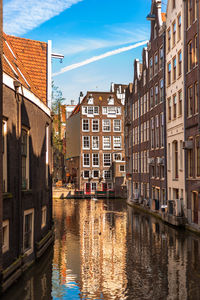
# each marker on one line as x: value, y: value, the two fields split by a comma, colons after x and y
x: 99, y: 57
x: 20, y: 16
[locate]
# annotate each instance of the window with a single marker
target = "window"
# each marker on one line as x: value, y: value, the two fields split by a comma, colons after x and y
x: 156, y: 94
x: 189, y: 47
x: 4, y: 148
x: 106, y: 142
x: 95, y: 173
x: 117, y: 125
x: 189, y: 103
x: 174, y: 33
x: 44, y: 217
x: 152, y: 133
x: 86, y: 160
x: 25, y: 159
x: 151, y: 68
x: 95, y: 159
x: 135, y: 86
x: 179, y: 63
x: 195, y: 49
x: 95, y: 142
x: 179, y: 27
x: 169, y: 73
x: 162, y: 129
x: 195, y: 9
x: 161, y: 91
x: 122, y: 168
x: 174, y: 4
x: 151, y: 97
x: 189, y: 13
x: 5, y: 233
x: 196, y: 97
x: 175, y: 157
x: 175, y: 106
x: 94, y: 186
x: 90, y: 110
x: 106, y: 124
x: 107, y: 174
x: 85, y: 125
x: 198, y: 157
x: 86, y: 142
x: 136, y: 110
x: 28, y: 231
x: 142, y: 132
x: 144, y: 77
x: 145, y: 104
x: 180, y: 102
x: 161, y: 57
x: 90, y: 99
x: 190, y: 162
x: 174, y: 68
x: 110, y: 100
x: 169, y: 110
x: 86, y: 174
x: 156, y: 63
x: 95, y: 125
x: 117, y: 156
x: 169, y: 39
x: 117, y: 142
x: 107, y: 159
x: 157, y: 131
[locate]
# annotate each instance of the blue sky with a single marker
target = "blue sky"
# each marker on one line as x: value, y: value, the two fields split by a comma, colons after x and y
x: 81, y: 29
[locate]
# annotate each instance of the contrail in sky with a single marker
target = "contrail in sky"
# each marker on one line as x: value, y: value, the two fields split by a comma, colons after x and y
x: 95, y: 58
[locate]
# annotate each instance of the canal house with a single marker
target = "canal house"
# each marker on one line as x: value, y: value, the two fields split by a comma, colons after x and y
x: 95, y: 143
x: 26, y: 124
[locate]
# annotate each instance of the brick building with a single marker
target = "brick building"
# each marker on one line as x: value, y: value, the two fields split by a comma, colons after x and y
x: 95, y: 143
x: 27, y: 204
x: 192, y: 108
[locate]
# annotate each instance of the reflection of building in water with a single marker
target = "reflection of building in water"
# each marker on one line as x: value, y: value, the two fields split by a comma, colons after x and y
x: 103, y: 251
x: 66, y: 247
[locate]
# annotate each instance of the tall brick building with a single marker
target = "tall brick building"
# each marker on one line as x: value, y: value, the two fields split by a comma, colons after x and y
x: 95, y: 143
x: 27, y: 161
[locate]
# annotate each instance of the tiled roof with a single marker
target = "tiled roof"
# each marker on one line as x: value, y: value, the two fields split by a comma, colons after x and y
x: 31, y: 59
x: 76, y: 110
x: 164, y: 17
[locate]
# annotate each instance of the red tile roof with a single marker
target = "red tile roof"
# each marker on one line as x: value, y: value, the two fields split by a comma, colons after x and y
x: 164, y: 17
x: 76, y: 110
x: 31, y: 59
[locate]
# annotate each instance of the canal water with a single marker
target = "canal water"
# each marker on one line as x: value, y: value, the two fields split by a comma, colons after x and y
x: 107, y: 250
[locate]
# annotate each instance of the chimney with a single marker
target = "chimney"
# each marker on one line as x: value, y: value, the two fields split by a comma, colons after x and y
x: 72, y: 102
x: 81, y: 97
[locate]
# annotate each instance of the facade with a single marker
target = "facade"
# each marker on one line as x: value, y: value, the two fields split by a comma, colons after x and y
x: 95, y: 143
x: 175, y: 100
x: 1, y: 106
x: 192, y: 108
x: 147, y: 123
x: 27, y: 167
x: 119, y: 90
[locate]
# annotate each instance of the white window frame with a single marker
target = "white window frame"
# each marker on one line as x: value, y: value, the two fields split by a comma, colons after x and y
x: 85, y: 177
x: 85, y: 148
x: 114, y: 126
x: 93, y: 174
x: 44, y: 217
x: 106, y: 171
x: 84, y: 110
x: 111, y: 101
x: 91, y: 187
x: 103, y: 124
x: 93, y: 125
x: 93, y: 148
x: 107, y: 148
x: 93, y: 160
x: 117, y: 154
x: 114, y: 142
x: 104, y: 159
x: 83, y: 160
x: 5, y: 239
x: 29, y: 212
x: 88, y: 125
x: 123, y: 167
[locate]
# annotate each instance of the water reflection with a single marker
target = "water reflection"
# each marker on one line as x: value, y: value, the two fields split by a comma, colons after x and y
x: 106, y: 250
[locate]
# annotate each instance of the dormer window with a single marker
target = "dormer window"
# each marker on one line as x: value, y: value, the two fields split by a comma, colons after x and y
x: 90, y: 100
x: 111, y: 100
